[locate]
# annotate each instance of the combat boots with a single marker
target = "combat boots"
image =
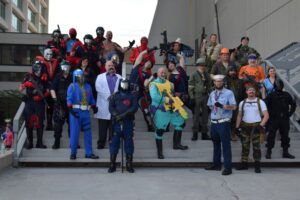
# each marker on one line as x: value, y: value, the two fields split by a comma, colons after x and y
x: 39, y: 142
x: 159, y: 147
x: 269, y: 153
x: 242, y: 166
x: 177, y: 141
x: 112, y: 165
x: 257, y: 167
x: 129, y: 167
x: 29, y: 132
x: 195, y: 136
x: 205, y: 136
x: 56, y: 144
x: 286, y: 154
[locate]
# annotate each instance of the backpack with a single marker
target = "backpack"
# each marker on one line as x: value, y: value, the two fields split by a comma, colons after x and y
x: 258, y: 103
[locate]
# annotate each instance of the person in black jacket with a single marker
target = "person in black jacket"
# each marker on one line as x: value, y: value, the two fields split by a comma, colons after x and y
x: 281, y: 106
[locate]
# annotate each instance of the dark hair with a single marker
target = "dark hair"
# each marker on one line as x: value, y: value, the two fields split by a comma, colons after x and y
x: 245, y: 37
x: 268, y: 70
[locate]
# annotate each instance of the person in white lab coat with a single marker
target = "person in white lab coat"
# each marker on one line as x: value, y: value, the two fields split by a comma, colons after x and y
x: 106, y: 84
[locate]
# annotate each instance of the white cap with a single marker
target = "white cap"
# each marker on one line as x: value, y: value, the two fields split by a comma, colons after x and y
x: 218, y: 77
x: 178, y: 40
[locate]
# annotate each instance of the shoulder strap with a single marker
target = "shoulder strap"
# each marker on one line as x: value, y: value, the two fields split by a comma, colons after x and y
x: 258, y: 105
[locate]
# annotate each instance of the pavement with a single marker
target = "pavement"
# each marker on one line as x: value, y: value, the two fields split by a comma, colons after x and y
x: 148, y: 184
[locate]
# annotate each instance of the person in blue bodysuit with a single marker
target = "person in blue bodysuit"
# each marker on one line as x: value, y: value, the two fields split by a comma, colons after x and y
x: 165, y: 111
x: 79, y: 100
x: 71, y: 41
x: 122, y: 106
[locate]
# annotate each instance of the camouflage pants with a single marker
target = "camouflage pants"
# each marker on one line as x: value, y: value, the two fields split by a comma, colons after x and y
x: 250, y: 134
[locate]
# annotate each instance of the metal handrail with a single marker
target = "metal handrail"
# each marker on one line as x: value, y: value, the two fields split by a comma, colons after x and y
x: 18, y: 132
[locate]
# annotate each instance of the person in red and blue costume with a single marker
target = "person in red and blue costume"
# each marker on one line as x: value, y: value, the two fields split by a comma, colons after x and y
x: 71, y: 41
x: 36, y: 90
x: 79, y: 100
x: 139, y: 74
x: 122, y: 106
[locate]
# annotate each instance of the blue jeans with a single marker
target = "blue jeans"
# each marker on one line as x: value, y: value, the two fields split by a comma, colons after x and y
x: 220, y: 133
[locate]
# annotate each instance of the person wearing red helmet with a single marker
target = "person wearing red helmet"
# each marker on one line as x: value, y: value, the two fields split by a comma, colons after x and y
x: 71, y: 40
x: 137, y: 50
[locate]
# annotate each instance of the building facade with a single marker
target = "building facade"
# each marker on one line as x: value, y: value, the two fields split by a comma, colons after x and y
x: 27, y: 16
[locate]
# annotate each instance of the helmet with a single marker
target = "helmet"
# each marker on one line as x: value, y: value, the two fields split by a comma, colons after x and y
x: 73, y: 33
x: 224, y: 51
x: 56, y: 33
x: 279, y: 85
x: 88, y: 39
x: 100, y: 31
x: 124, y: 85
x: 48, y: 54
x: 78, y: 76
x: 37, y: 68
x: 65, y: 67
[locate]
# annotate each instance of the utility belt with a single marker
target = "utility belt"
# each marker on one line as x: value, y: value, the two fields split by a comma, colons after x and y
x: 218, y: 121
x: 244, y: 124
x: 81, y: 107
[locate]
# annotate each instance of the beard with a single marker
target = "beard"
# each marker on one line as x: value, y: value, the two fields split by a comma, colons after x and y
x: 219, y: 87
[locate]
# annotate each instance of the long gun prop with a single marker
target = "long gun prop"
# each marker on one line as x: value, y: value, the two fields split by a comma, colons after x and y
x: 177, y: 106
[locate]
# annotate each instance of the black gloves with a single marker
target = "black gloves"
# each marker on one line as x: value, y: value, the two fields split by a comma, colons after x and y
x: 131, y: 43
x: 219, y: 105
x: 95, y: 109
x: 75, y: 114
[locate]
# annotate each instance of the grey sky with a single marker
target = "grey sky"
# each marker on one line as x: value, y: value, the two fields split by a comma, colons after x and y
x: 127, y: 19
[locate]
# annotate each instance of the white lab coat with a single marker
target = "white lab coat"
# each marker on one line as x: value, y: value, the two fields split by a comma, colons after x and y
x: 103, y: 93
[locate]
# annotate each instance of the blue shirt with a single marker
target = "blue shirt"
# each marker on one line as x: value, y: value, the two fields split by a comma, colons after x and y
x: 225, y: 97
x: 111, y: 81
x: 268, y: 85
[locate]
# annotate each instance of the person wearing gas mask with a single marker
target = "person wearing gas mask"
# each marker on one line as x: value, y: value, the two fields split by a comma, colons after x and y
x: 163, y: 107
x: 87, y: 48
x: 50, y: 70
x: 98, y: 40
x: 58, y: 91
x: 79, y: 102
x: 106, y: 84
x: 281, y: 107
x: 36, y: 90
x: 122, y: 106
x: 57, y: 44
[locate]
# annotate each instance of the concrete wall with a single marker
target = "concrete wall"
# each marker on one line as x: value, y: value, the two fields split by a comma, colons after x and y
x: 270, y: 24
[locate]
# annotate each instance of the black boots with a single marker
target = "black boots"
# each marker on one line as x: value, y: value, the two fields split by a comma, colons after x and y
x: 56, y: 144
x: 29, y: 132
x: 159, y: 147
x: 286, y: 154
x: 195, y: 136
x: 205, y: 136
x: 268, y: 154
x: 257, y: 167
x: 112, y: 165
x: 177, y: 141
x: 129, y: 167
x: 39, y: 142
x: 242, y: 166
